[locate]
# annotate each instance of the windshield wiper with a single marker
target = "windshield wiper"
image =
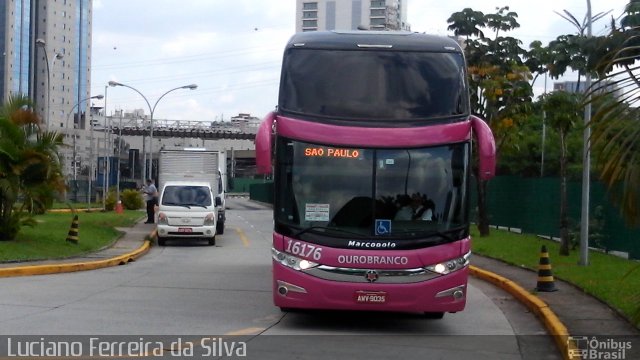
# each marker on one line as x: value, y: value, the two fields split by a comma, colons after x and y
x: 325, y: 228
x: 188, y: 206
x: 175, y: 204
x: 199, y: 205
x: 444, y: 234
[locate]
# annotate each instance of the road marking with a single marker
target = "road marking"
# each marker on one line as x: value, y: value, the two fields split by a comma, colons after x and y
x: 243, y: 237
x: 247, y: 331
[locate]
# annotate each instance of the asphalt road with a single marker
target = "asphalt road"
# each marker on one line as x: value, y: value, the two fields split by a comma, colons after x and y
x: 196, y: 292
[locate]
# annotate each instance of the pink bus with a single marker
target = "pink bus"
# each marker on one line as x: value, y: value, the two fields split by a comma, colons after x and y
x: 370, y: 151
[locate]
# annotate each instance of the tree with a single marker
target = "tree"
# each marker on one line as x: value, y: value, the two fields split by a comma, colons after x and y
x: 30, y: 171
x: 498, y: 79
x: 615, y: 129
x: 563, y: 113
x: 523, y: 155
x: 467, y: 23
x: 575, y: 51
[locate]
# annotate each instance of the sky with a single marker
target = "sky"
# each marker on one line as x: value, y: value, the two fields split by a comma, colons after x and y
x: 232, y: 49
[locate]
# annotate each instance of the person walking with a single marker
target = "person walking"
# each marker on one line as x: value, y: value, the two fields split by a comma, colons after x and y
x: 150, y: 197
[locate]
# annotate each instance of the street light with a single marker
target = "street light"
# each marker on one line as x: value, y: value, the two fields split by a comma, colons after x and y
x: 151, y: 111
x: 99, y: 97
x: 41, y: 43
x: 586, y: 160
x: 75, y: 171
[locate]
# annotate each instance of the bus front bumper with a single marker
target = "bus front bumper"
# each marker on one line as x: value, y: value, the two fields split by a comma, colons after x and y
x: 295, y: 289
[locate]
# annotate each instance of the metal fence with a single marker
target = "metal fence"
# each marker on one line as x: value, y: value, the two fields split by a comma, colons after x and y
x: 533, y: 205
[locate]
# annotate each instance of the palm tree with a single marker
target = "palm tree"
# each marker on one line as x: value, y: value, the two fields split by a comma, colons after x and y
x: 573, y: 50
x: 615, y: 129
x: 615, y: 125
x: 30, y: 171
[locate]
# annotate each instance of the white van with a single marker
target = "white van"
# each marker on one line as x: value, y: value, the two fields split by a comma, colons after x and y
x: 191, y: 202
x: 187, y: 210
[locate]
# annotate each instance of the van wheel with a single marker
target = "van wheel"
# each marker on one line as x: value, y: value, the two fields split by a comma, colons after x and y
x: 212, y: 241
x: 162, y: 241
x: 220, y: 228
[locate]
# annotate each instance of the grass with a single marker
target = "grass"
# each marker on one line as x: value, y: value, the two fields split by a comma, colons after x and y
x: 608, y: 278
x: 47, y: 240
x: 79, y: 205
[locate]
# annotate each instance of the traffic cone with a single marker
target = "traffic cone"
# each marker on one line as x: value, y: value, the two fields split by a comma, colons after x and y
x: 72, y: 237
x: 119, y: 207
x: 545, y: 278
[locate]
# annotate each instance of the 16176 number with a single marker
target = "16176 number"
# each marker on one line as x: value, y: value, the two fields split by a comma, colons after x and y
x: 304, y: 250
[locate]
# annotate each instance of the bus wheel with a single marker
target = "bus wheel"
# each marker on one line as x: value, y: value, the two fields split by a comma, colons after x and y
x: 434, y: 315
x: 162, y: 241
x: 212, y: 240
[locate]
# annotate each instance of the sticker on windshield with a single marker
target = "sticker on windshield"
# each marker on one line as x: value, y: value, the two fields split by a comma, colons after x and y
x: 383, y: 226
x: 316, y: 212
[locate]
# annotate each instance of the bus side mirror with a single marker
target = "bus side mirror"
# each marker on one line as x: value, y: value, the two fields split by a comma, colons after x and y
x: 486, y: 148
x: 264, y: 145
x: 218, y: 201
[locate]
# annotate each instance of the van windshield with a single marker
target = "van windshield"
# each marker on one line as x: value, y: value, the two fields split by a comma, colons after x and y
x: 373, y: 85
x: 180, y: 195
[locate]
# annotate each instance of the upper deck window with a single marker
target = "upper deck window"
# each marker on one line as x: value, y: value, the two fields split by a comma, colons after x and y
x: 373, y: 84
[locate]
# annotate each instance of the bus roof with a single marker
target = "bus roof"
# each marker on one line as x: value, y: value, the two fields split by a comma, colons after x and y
x: 376, y: 40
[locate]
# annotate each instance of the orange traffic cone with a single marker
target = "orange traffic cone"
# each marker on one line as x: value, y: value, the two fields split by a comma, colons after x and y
x: 72, y: 236
x: 119, y: 209
x: 545, y: 278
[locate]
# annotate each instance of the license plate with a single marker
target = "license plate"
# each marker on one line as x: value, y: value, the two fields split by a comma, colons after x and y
x: 185, y: 230
x: 370, y: 297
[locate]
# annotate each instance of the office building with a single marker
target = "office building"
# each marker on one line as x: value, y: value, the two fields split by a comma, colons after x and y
x: 46, y: 56
x: 17, y: 47
x: 351, y: 15
x: 581, y: 87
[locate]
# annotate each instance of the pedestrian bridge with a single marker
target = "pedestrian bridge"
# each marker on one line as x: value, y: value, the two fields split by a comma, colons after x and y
x: 179, y: 129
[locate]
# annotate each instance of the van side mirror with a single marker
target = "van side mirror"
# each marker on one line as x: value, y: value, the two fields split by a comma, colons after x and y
x: 218, y: 201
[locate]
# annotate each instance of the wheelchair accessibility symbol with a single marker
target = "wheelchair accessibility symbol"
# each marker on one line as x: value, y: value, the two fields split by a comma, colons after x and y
x: 383, y: 227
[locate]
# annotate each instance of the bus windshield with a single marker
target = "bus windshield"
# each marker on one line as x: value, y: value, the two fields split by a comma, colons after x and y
x: 373, y: 85
x: 347, y: 192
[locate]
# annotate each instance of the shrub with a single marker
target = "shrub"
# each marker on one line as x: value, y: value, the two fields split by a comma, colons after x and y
x: 132, y: 199
x: 110, y: 201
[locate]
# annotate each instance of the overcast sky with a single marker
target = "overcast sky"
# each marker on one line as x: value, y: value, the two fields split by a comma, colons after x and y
x: 232, y: 49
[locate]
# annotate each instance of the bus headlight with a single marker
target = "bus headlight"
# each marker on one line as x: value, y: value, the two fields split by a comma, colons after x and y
x: 291, y: 261
x: 449, y: 266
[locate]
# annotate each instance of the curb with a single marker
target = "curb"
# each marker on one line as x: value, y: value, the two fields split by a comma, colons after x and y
x: 73, y: 267
x: 550, y: 320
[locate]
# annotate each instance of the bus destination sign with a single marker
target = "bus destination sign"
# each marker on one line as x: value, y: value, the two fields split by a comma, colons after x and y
x: 318, y: 151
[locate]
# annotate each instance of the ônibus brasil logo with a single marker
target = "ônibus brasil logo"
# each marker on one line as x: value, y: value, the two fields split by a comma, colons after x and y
x: 586, y: 348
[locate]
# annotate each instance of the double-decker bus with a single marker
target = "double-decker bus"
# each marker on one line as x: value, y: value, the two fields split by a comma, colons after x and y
x: 370, y: 148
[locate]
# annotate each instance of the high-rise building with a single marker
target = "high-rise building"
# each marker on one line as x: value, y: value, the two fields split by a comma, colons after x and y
x: 17, y: 47
x: 610, y: 87
x: 321, y: 15
x: 46, y: 56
